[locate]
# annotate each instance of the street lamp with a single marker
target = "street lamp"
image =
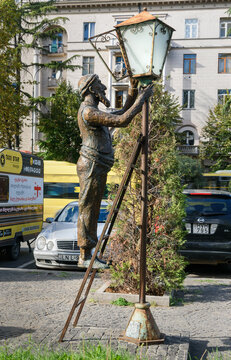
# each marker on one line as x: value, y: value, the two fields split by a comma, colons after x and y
x: 144, y: 41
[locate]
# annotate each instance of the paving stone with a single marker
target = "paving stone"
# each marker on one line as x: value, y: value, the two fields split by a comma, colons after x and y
x: 36, y: 305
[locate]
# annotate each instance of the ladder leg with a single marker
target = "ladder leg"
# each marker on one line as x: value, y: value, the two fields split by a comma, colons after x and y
x: 75, y: 302
x: 116, y: 204
x: 110, y: 219
x: 85, y: 296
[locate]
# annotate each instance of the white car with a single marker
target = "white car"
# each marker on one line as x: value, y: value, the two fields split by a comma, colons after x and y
x: 56, y: 245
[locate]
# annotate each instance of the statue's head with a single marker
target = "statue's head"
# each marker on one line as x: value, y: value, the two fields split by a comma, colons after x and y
x: 91, y: 84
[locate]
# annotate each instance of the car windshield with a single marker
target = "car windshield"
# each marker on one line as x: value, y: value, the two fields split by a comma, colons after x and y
x: 198, y: 205
x: 70, y: 214
x: 103, y: 215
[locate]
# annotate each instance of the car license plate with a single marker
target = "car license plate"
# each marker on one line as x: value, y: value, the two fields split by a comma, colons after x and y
x: 201, y: 229
x: 65, y: 257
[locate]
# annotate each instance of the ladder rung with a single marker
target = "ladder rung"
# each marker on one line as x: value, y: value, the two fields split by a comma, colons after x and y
x: 80, y: 301
x: 91, y: 272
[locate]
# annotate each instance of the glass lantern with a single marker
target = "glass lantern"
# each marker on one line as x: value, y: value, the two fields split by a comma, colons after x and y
x: 144, y: 41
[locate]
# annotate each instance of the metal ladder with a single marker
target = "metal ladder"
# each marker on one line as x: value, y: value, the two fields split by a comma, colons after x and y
x: 101, y: 245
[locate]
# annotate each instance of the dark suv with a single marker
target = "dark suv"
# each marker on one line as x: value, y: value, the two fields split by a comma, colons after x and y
x: 208, y: 223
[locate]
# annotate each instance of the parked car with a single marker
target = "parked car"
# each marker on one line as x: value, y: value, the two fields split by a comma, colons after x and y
x: 208, y: 224
x: 56, y: 245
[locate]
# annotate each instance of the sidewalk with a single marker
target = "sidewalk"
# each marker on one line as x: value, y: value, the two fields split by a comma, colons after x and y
x: 36, y: 305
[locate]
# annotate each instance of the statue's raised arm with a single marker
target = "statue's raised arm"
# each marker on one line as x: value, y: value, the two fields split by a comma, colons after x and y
x: 97, y: 156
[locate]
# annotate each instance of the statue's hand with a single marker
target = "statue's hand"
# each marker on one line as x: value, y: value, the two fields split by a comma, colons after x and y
x: 134, y: 83
x: 144, y: 94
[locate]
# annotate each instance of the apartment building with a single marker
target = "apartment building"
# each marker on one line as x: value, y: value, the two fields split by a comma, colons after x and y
x: 197, y: 69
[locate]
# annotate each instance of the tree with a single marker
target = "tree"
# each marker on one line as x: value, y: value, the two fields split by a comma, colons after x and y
x: 165, y: 234
x: 59, y: 125
x: 11, y: 103
x: 23, y: 26
x: 190, y: 172
x: 216, y: 145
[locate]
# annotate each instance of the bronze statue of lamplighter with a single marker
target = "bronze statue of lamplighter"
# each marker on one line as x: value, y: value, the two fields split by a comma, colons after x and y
x: 146, y: 35
x: 97, y: 155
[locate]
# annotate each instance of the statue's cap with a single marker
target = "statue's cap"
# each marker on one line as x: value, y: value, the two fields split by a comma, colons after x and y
x: 85, y: 82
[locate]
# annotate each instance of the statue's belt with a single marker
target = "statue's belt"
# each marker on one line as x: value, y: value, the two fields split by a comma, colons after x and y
x: 104, y: 160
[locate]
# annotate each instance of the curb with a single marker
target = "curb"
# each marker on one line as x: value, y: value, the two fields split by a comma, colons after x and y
x: 103, y: 297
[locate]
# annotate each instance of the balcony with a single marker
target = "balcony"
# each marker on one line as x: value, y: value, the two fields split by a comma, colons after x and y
x: 54, y: 50
x: 188, y: 149
x: 53, y: 82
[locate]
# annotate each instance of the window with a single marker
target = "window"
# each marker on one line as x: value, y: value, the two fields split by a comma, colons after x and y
x: 53, y: 74
x: 4, y: 186
x: 119, y: 99
x: 222, y: 95
x: 61, y: 190
x: 224, y: 63
x: 191, y: 28
x: 189, y: 63
x: 188, y: 99
x: 120, y: 68
x: 120, y: 19
x: 88, y: 65
x: 69, y: 214
x: 57, y: 44
x: 56, y: 74
x: 187, y: 137
x: 225, y: 27
x: 64, y: 190
x: 88, y: 30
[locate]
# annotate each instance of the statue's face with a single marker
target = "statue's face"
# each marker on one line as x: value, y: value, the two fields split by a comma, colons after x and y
x: 99, y: 90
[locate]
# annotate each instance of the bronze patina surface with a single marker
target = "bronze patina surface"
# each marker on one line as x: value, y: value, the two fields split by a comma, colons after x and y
x: 97, y: 155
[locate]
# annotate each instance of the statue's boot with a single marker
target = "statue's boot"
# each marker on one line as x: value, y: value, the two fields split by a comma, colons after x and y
x: 85, y: 259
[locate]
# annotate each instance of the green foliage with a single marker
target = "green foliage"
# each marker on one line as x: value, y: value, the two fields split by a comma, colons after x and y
x: 216, y: 146
x: 22, y: 25
x: 8, y: 22
x: 165, y: 267
x: 176, y: 301
x: 12, y: 104
x: 122, y: 302
x: 213, y: 355
x: 86, y: 351
x: 59, y: 125
x: 190, y: 171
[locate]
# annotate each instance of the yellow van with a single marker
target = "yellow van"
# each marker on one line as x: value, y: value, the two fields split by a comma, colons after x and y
x: 21, y: 199
x: 61, y: 185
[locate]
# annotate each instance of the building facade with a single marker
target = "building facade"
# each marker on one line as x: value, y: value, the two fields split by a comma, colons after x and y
x: 197, y: 69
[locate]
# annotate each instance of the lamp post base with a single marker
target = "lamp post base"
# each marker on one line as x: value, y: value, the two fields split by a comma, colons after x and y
x: 142, y: 328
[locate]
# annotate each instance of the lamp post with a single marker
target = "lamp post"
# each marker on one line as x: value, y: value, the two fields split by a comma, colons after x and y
x: 144, y: 41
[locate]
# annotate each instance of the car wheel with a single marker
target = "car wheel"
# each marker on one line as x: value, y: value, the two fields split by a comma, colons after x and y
x: 13, y: 251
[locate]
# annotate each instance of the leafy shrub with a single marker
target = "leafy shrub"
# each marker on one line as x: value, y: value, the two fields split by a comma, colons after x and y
x: 122, y: 302
x: 86, y: 351
x: 165, y: 234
